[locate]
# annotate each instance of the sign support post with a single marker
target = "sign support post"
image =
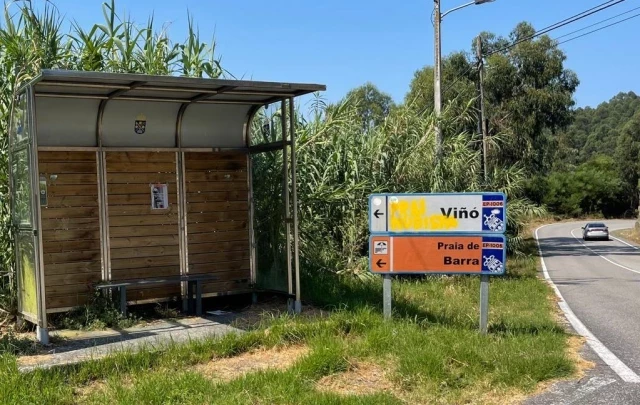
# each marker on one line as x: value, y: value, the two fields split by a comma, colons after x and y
x: 386, y: 296
x: 484, y: 303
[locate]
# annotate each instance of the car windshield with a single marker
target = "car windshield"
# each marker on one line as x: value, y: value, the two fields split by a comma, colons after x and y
x: 596, y: 225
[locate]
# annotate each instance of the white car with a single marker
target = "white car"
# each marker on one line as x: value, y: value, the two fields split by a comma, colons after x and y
x: 595, y: 230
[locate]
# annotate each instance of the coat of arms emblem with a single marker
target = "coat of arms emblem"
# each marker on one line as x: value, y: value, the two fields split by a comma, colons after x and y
x: 141, y: 124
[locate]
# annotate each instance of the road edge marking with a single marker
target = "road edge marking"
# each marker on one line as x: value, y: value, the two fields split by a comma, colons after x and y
x: 621, y: 369
x: 602, y: 257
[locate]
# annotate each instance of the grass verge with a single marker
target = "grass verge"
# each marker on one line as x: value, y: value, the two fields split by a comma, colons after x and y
x: 630, y: 235
x: 431, y: 352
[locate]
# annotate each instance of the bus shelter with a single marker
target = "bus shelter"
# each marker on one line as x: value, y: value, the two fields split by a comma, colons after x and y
x: 135, y: 179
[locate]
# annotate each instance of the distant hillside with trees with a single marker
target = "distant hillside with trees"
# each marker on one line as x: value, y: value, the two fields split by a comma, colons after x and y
x: 596, y: 163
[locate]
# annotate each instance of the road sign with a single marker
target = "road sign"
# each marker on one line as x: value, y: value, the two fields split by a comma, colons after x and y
x: 437, y: 254
x: 461, y: 213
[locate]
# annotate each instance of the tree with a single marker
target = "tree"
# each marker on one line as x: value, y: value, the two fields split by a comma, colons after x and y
x: 372, y: 105
x: 529, y: 95
x: 458, y: 84
x: 628, y: 159
x: 593, y: 187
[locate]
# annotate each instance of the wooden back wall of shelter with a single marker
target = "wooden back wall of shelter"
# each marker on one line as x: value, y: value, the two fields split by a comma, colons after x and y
x: 144, y: 242
x: 70, y: 227
x: 218, y: 218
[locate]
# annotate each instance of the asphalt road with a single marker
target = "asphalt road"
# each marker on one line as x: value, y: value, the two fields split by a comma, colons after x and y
x: 600, y: 283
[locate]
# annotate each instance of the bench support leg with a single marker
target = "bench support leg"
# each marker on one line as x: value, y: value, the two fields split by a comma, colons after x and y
x: 199, y: 297
x: 123, y: 300
x: 190, y: 291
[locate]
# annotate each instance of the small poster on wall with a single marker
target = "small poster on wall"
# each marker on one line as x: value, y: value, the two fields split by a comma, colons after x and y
x: 159, y: 197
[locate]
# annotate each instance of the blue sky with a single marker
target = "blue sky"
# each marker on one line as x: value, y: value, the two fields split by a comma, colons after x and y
x: 346, y: 43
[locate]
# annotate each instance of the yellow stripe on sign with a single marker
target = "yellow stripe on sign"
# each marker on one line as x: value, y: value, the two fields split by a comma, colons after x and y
x: 412, y: 216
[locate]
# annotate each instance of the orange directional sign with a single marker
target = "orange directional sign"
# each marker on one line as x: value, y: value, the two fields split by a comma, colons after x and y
x: 437, y: 254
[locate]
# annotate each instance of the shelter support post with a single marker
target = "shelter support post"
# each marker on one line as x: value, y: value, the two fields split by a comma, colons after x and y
x: 287, y: 206
x: 42, y: 331
x: 294, y: 192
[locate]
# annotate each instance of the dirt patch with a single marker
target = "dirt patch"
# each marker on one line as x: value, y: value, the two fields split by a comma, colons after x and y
x: 228, y: 369
x: 253, y: 316
x: 361, y: 379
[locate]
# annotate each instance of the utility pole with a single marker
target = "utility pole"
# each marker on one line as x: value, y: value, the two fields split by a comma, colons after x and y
x: 437, y: 95
x: 483, y: 122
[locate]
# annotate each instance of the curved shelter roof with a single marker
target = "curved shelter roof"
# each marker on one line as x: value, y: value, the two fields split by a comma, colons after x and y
x: 89, y: 109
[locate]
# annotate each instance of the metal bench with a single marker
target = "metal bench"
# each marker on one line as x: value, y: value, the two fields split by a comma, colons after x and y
x: 194, y: 287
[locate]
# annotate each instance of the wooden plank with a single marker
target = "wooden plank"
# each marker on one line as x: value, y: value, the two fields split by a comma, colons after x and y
x: 206, y: 268
x: 216, y: 165
x: 124, y: 178
x: 227, y: 287
x: 218, y: 237
x: 151, y: 167
x: 73, y: 201
x: 68, y: 167
x: 145, y: 272
x: 168, y: 219
x: 70, y: 223
x: 142, y: 262
x: 69, y: 246
x: 139, y: 188
x: 223, y: 155
x: 195, y: 187
x: 71, y: 257
x: 217, y: 227
x: 148, y: 231
x: 71, y: 178
x: 66, y: 300
x: 140, y: 157
x: 73, y: 190
x: 124, y: 253
x: 229, y: 276
x: 126, y: 242
x: 73, y: 278
x: 218, y: 216
x: 69, y: 212
x: 218, y: 258
x: 69, y: 289
x: 124, y: 210
x: 72, y: 234
x: 137, y: 199
x: 218, y: 206
x: 70, y: 156
x: 141, y: 293
x: 215, y: 176
x: 218, y: 196
x: 75, y: 267
x: 195, y: 248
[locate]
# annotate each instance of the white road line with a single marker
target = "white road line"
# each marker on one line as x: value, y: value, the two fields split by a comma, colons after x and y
x: 621, y: 241
x: 610, y: 261
x: 623, y: 371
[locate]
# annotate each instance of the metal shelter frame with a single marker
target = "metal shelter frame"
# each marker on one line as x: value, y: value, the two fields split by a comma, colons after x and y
x: 106, y: 87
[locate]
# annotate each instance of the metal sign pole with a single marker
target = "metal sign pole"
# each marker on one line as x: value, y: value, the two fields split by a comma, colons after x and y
x: 386, y: 296
x: 484, y: 303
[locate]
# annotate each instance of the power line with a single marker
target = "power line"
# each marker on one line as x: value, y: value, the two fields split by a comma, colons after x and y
x: 598, y: 29
x: 598, y: 23
x: 560, y: 24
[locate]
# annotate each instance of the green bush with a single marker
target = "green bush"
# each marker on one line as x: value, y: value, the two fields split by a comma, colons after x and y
x: 594, y: 187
